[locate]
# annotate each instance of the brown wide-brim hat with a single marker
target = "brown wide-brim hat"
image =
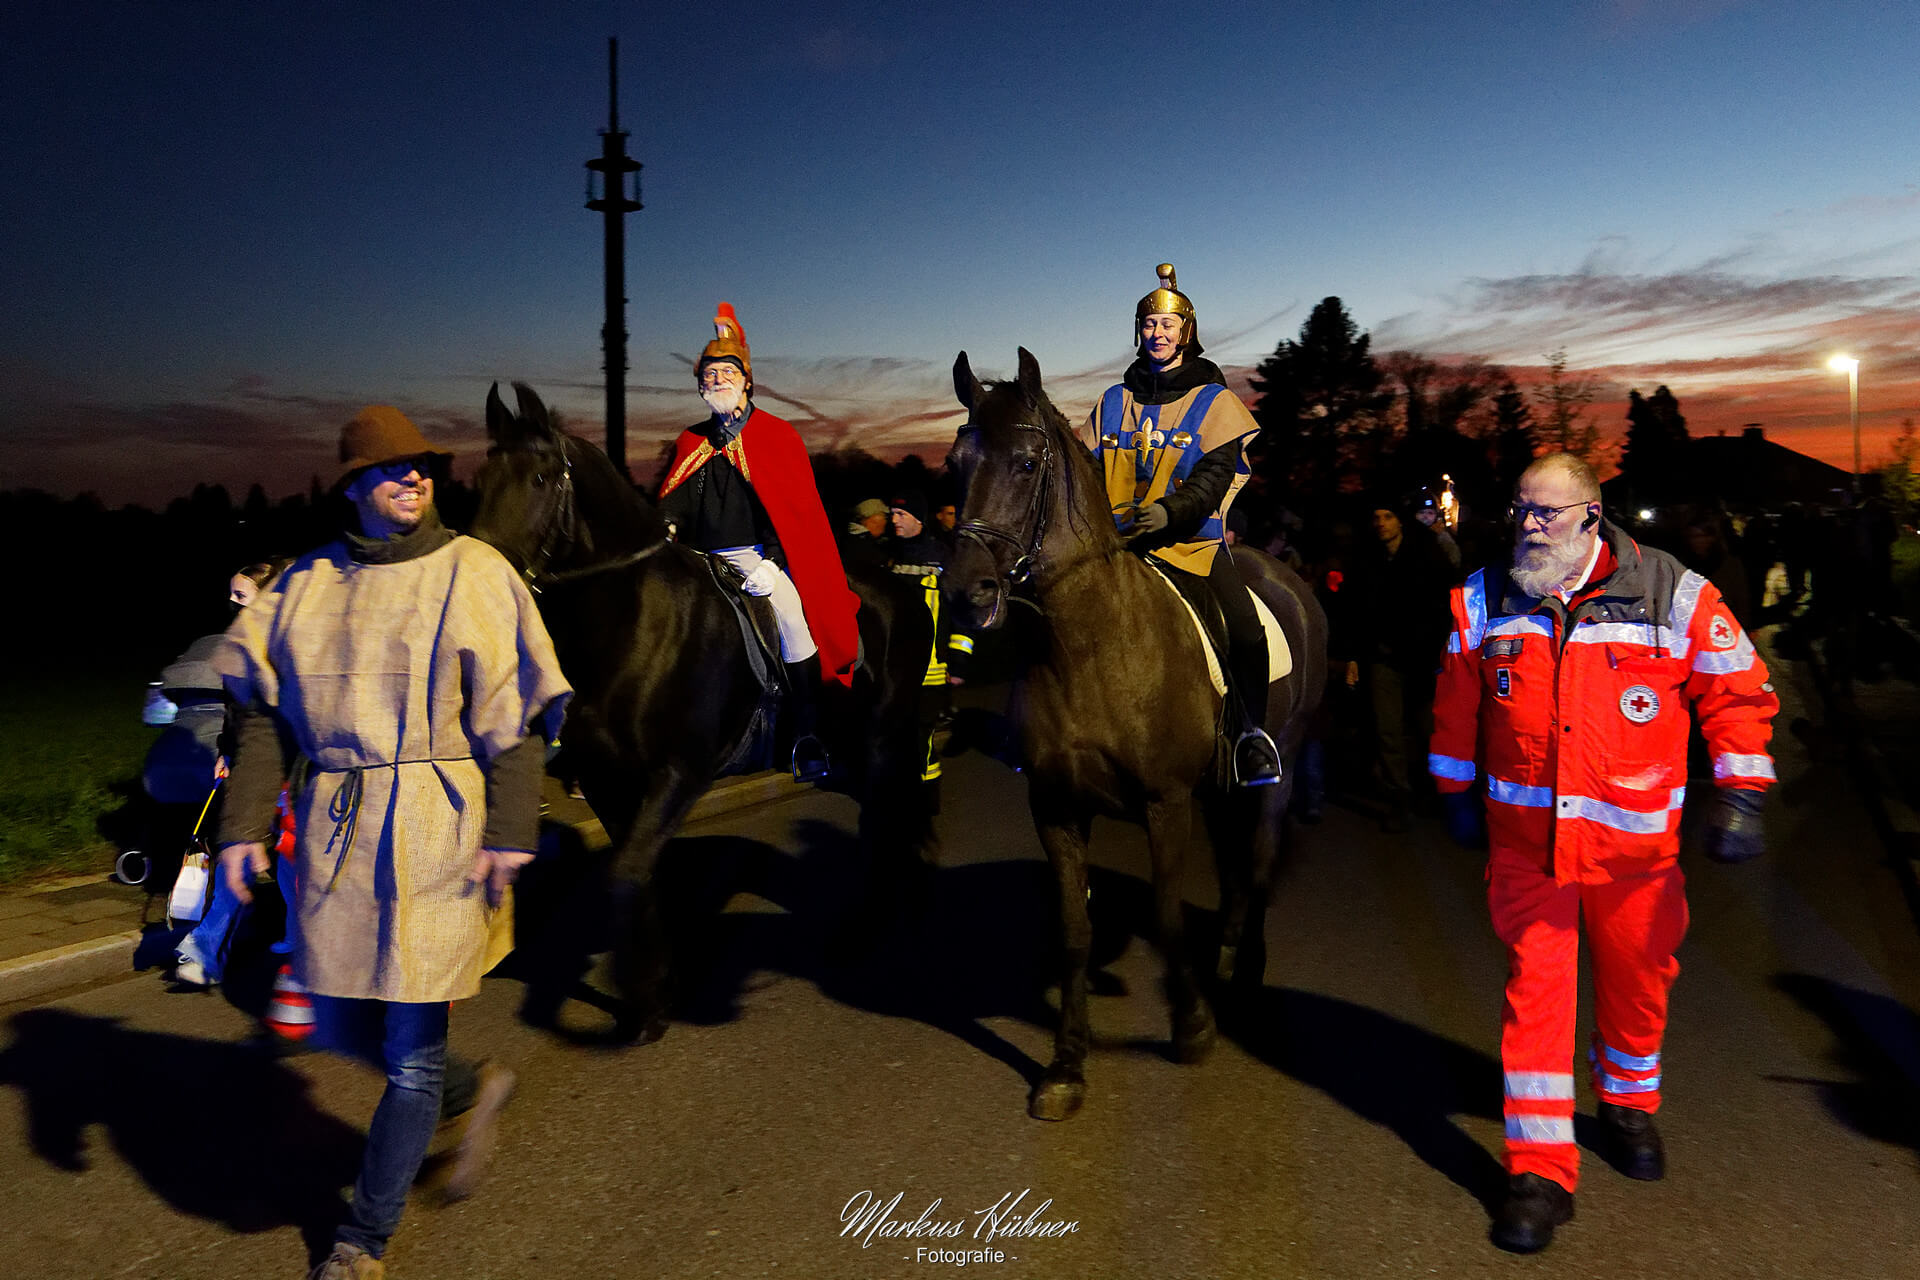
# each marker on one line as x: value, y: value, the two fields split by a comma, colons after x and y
x: 380, y: 434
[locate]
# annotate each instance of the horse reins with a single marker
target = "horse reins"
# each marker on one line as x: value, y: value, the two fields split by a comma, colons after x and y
x: 561, y: 526
x: 1028, y: 549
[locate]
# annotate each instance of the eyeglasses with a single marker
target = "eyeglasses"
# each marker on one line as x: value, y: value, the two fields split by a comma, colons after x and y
x: 1521, y: 512
x: 721, y: 375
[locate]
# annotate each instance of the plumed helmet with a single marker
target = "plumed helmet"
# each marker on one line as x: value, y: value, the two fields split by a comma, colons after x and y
x: 729, y: 343
x: 1168, y: 300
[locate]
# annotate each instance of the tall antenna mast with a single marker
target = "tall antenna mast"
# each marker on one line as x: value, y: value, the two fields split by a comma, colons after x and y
x: 613, y: 165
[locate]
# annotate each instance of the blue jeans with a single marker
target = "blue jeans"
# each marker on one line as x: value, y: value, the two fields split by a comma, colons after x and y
x: 207, y: 942
x: 408, y: 1042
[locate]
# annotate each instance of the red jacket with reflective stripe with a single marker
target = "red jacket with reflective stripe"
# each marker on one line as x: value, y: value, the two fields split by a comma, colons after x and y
x: 1577, y: 716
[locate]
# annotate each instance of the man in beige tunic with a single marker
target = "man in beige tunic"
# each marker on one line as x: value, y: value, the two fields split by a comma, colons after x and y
x: 410, y: 671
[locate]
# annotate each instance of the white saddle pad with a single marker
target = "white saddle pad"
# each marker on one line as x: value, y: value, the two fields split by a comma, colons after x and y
x: 1279, y: 654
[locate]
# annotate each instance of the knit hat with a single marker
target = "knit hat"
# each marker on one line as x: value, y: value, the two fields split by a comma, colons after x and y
x: 913, y: 502
x: 380, y: 434
x: 729, y: 344
x: 869, y: 508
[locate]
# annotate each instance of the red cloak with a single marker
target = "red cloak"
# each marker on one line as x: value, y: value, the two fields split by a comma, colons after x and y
x: 770, y: 456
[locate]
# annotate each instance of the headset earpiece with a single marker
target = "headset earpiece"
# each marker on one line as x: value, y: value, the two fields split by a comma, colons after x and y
x: 1593, y: 518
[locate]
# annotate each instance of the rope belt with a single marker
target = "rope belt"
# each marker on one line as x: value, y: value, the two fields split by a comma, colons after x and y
x: 344, y: 808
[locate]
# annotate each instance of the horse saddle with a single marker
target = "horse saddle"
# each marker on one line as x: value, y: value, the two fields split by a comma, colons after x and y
x: 1202, y: 606
x: 759, y: 625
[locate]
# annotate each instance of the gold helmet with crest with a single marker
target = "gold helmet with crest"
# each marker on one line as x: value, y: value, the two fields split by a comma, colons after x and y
x: 1167, y: 300
x: 729, y: 343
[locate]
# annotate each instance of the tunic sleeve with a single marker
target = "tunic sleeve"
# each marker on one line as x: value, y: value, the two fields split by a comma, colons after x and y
x: 513, y: 679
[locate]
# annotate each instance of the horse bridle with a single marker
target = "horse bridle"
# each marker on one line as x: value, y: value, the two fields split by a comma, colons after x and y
x: 1027, y: 549
x: 562, y: 525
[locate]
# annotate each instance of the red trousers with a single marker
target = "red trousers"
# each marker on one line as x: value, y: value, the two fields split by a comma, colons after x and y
x: 1633, y: 927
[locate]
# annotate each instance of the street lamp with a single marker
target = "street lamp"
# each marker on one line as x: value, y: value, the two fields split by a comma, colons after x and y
x: 1851, y: 367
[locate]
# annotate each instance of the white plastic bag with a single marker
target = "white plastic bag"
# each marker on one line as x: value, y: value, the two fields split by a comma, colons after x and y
x: 188, y: 902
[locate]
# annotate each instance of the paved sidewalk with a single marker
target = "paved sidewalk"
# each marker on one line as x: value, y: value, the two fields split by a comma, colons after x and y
x: 67, y: 933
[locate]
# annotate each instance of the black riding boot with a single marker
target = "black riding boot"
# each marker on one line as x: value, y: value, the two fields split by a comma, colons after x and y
x: 1256, y: 760
x: 810, y: 763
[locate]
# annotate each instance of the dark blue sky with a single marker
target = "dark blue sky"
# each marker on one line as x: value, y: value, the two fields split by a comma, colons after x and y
x: 229, y: 224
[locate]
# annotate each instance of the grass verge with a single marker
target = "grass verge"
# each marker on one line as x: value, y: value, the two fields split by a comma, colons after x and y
x: 71, y: 747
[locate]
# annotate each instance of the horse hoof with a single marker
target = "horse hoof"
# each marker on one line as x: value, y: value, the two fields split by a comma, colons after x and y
x: 634, y: 1030
x: 1194, y: 1041
x: 1229, y: 960
x: 1056, y: 1099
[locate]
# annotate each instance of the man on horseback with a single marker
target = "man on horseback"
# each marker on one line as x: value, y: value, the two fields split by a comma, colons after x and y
x: 1170, y: 440
x: 741, y: 487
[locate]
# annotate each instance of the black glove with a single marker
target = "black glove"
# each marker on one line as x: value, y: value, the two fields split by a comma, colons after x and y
x: 1151, y: 520
x: 1735, y: 832
x: 1466, y: 819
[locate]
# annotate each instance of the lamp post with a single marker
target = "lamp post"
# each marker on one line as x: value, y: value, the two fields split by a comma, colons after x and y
x: 1851, y: 367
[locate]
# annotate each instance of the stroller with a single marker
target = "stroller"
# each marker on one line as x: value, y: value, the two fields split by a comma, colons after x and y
x: 180, y: 770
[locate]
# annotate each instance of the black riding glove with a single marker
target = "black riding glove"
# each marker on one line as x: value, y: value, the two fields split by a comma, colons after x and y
x: 1735, y: 832
x: 1466, y: 819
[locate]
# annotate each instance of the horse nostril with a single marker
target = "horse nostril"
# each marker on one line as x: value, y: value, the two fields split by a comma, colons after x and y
x: 983, y: 592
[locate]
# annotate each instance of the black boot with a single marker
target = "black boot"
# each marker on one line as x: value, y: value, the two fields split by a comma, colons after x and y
x: 1637, y: 1150
x: 810, y: 762
x: 1533, y: 1208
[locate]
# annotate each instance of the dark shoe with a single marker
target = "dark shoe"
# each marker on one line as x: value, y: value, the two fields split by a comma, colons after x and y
x: 1533, y: 1208
x: 1256, y: 761
x: 810, y: 763
x: 1637, y: 1149
x: 482, y: 1125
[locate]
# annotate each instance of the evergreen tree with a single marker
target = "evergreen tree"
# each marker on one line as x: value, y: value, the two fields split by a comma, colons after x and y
x: 1654, y: 459
x: 1564, y: 400
x: 1510, y: 436
x: 1321, y: 400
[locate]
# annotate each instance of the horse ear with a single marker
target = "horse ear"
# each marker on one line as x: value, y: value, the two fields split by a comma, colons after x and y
x: 500, y: 423
x: 1030, y: 377
x: 965, y: 385
x: 533, y: 410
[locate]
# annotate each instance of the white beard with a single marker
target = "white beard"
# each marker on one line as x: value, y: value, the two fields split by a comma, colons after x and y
x: 1538, y: 568
x: 725, y: 401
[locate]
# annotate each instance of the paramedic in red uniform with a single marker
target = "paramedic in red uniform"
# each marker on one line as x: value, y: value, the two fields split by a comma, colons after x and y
x: 1563, y: 700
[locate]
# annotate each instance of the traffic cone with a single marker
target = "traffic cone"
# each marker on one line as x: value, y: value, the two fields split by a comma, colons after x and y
x: 290, y: 1013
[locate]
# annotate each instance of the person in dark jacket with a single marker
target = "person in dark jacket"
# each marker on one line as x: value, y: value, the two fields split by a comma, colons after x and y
x: 1170, y: 440
x: 1393, y: 627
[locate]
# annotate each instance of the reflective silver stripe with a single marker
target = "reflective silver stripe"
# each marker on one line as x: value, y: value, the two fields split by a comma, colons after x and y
x: 1449, y: 767
x: 1627, y: 1061
x: 1614, y: 1084
x: 1725, y: 662
x: 1622, y: 633
x: 1686, y: 598
x: 1474, y: 595
x: 1612, y: 815
x: 290, y: 1015
x: 1514, y: 793
x: 1539, y: 1084
x: 1520, y: 624
x: 1540, y: 1129
x: 1738, y: 766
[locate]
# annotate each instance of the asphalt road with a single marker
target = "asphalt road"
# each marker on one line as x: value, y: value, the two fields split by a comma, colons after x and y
x: 1347, y: 1124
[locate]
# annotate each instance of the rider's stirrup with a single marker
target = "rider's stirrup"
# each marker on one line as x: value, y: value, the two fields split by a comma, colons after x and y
x: 1273, y: 753
x: 818, y: 764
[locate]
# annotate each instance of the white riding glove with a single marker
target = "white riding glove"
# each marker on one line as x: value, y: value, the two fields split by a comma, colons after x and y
x: 763, y: 579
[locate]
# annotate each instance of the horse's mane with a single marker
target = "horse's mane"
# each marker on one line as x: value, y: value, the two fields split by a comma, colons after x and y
x: 1079, y: 477
x: 592, y: 464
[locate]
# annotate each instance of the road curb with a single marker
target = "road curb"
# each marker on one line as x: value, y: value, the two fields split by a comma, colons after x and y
x: 69, y: 966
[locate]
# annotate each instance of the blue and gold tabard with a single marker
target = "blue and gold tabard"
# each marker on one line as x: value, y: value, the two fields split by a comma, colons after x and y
x: 1147, y: 451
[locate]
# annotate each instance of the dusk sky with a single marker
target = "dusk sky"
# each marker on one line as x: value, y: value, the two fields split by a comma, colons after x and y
x: 228, y: 225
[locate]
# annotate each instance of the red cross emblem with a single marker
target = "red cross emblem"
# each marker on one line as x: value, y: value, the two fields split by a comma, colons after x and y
x: 1721, y: 633
x: 1640, y: 704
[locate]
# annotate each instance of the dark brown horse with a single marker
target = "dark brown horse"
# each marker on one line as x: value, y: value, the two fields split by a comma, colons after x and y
x: 665, y: 691
x: 1116, y: 714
